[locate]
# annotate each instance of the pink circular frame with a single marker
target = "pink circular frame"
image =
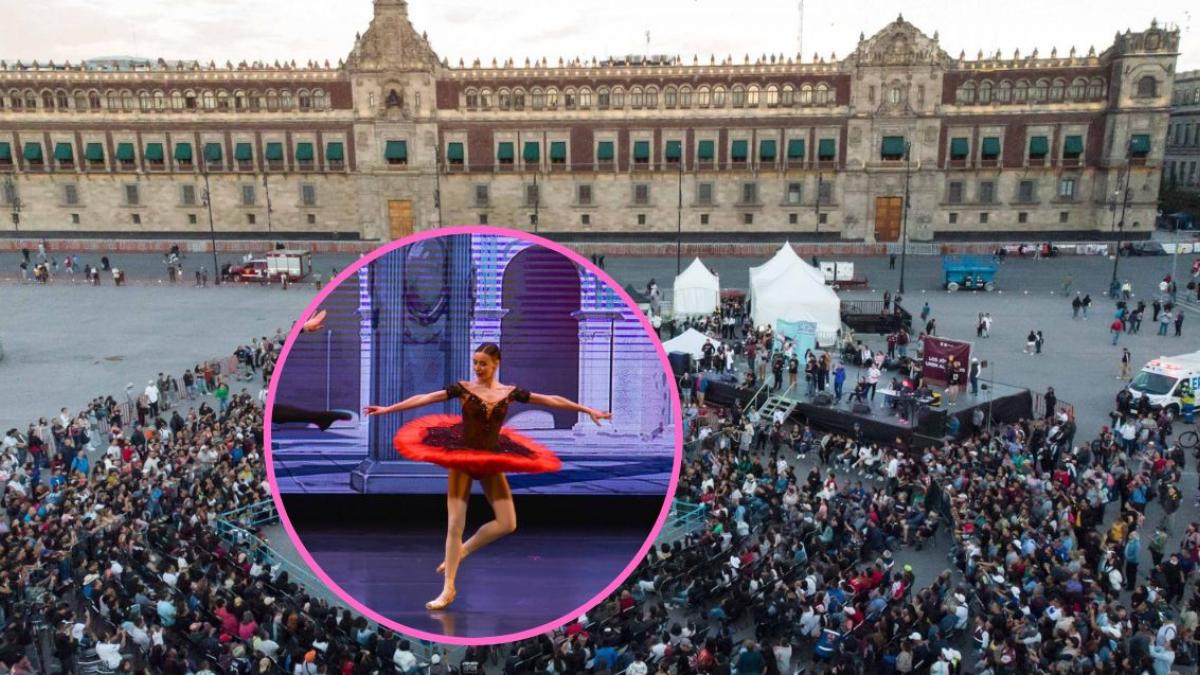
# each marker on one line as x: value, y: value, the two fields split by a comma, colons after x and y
x: 676, y: 411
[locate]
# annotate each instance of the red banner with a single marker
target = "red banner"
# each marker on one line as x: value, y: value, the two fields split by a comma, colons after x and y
x: 942, y: 356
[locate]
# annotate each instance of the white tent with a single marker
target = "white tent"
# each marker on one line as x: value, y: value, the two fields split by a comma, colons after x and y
x: 786, y: 287
x: 697, y: 291
x: 690, y: 341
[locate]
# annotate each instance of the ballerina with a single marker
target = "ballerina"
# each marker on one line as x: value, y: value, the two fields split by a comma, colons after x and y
x: 475, y: 446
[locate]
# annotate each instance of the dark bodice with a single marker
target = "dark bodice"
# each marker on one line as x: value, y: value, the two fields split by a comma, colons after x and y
x: 482, y: 422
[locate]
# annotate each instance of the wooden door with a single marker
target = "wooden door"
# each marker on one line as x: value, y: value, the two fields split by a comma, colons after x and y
x: 887, y: 218
x: 400, y: 218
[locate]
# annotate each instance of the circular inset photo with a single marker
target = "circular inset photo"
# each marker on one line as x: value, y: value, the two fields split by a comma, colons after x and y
x: 473, y: 435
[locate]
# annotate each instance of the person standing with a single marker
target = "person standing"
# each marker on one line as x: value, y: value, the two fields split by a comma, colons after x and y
x: 973, y: 376
x: 1038, y: 342
x: 873, y: 376
x: 1030, y: 342
x: 1051, y: 400
x: 1116, y: 329
x: 892, y: 261
x: 793, y: 372
x: 1157, y: 308
x: 839, y: 380
x: 1076, y: 305
x: 987, y: 324
x: 925, y: 311
x: 1164, y: 323
x: 1133, y: 549
x: 1179, y: 323
x: 1087, y: 305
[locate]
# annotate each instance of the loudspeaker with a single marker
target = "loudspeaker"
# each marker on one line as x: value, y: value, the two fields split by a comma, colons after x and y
x: 861, y: 409
x: 822, y: 398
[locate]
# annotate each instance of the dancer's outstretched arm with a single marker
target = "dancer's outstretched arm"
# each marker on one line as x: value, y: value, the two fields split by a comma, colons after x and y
x: 410, y: 402
x: 567, y: 404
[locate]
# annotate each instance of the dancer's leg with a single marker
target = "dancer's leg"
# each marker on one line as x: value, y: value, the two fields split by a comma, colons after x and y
x: 499, y: 495
x: 281, y: 414
x: 458, y: 494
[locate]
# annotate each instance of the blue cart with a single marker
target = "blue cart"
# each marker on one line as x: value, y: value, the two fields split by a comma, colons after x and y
x: 969, y: 272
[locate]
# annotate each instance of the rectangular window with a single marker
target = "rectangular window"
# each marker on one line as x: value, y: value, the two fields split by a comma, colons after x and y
x: 585, y: 219
x: 1139, y: 145
x: 823, y: 218
x: 131, y: 195
x: 604, y: 151
x: 740, y: 151
x: 959, y: 148
x: 1064, y: 216
x: 481, y: 195
x: 892, y: 148
x: 1023, y: 217
x: 483, y: 218
x: 641, y: 152
x: 74, y: 218
x: 187, y: 195
x: 749, y: 193
x: 251, y: 219
x: 1072, y: 147
x: 585, y: 195
x: 396, y: 152
x: 504, y: 152
x: 825, y: 192
x: 641, y: 193
x: 704, y: 193
x: 454, y: 154
x: 987, y: 192
x: 793, y: 218
x: 531, y: 195
x: 703, y: 218
x: 1025, y: 191
x: 674, y: 151
x: 793, y: 193
x: 983, y: 218
x: 953, y: 218
x: 558, y: 152
x: 308, y: 194
x: 533, y: 219
x: 991, y: 148
x: 71, y: 194
x: 1039, y: 147
x: 136, y: 219
x: 826, y: 150
x: 706, y: 151
x: 641, y: 219
x: 312, y: 219
x: 191, y: 219
x: 248, y: 196
x: 955, y: 194
x: 747, y: 218
x: 1066, y: 188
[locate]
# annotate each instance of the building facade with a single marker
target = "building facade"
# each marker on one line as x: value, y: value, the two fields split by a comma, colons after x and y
x: 1180, y: 169
x: 395, y: 140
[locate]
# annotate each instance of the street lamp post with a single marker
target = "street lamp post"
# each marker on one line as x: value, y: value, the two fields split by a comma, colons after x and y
x: 212, y: 230
x: 1121, y: 222
x: 14, y: 201
x: 267, y: 189
x: 679, y: 224
x: 817, y: 201
x: 904, y: 216
x: 537, y: 200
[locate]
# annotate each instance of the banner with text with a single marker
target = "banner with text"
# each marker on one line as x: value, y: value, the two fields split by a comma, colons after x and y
x: 941, y: 357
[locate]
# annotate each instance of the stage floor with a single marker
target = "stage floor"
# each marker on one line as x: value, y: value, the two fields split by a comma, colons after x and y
x: 520, y: 582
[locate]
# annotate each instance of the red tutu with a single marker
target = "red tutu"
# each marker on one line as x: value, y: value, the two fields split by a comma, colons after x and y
x: 439, y: 439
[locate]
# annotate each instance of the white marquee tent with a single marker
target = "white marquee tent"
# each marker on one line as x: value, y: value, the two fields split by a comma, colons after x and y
x: 697, y: 291
x: 690, y: 341
x: 785, y: 287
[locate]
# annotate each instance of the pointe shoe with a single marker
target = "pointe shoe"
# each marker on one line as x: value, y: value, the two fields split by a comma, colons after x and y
x: 442, y: 601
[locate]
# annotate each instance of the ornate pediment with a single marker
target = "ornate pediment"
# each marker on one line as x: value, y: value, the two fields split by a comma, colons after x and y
x: 391, y: 43
x: 899, y: 44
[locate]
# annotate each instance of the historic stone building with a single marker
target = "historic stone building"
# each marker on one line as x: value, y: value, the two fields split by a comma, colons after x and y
x: 1183, y: 134
x: 394, y: 140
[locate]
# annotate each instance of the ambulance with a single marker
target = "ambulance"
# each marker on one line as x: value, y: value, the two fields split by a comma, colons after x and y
x: 1160, y: 380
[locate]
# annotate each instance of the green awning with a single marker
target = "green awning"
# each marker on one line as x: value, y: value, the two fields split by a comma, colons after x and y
x: 212, y: 152
x: 706, y: 151
x: 396, y: 150
x: 641, y: 151
x: 5, y: 152
x: 558, y: 151
x: 826, y: 149
x: 795, y: 148
x: 154, y: 151
x: 64, y: 152
x: 991, y: 146
x: 183, y: 152
x: 454, y: 152
x: 274, y: 152
x: 739, y: 151
x: 893, y: 145
x: 766, y: 151
x: 604, y: 151
x: 505, y: 151
x: 674, y: 150
x: 304, y: 152
x: 334, y: 152
x: 1039, y: 146
x: 1140, y: 143
x: 125, y: 151
x: 1073, y: 145
x: 959, y: 148
x: 243, y: 152
x: 33, y: 152
x: 532, y: 151
x: 94, y: 152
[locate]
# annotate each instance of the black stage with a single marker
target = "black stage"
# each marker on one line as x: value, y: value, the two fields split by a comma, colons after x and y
x: 384, y: 552
x: 881, y: 424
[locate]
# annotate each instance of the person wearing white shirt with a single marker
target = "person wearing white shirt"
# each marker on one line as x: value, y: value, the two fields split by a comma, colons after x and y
x: 638, y: 667
x: 404, y: 659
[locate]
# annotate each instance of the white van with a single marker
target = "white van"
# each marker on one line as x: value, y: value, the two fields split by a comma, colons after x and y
x: 1160, y: 379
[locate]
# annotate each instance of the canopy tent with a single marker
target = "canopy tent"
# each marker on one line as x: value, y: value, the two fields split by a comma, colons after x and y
x: 697, y: 291
x: 690, y: 342
x: 787, y: 288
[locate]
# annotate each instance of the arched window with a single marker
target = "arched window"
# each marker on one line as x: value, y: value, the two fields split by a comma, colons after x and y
x: 47, y: 100
x: 472, y: 98
x: 670, y: 97
x: 895, y: 95
x: 966, y: 93
x: 1147, y: 87
x: 718, y: 96
x: 1040, y: 90
x: 272, y: 100
x: 569, y: 98
x: 160, y: 101
x: 1004, y: 93
x: 789, y: 95
x: 806, y: 94
x: 603, y: 98
x: 239, y: 100
x: 209, y: 100
x: 702, y: 97
x: 485, y: 99
x: 985, y: 92
x: 81, y: 100
x: 618, y: 97
x: 144, y: 101
x: 752, y: 93
x: 31, y: 100
x: 320, y: 99
x: 1021, y: 93
x: 305, y: 99
x: 93, y: 100
x: 1078, y: 87
x: 538, y: 98
x: 551, y: 99
x: 112, y: 100
x: 64, y: 101
x: 635, y: 97
x: 737, y: 96
x: 651, y: 97
x: 286, y: 102
x: 823, y: 94
x: 1095, y: 89
x: 176, y: 101
x: 503, y: 99
x: 15, y: 100
x: 772, y: 95
x: 585, y: 98
x: 685, y: 96
x: 518, y: 99
x: 1058, y: 89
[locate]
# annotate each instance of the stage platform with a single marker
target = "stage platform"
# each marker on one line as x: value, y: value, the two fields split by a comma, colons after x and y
x: 884, y: 424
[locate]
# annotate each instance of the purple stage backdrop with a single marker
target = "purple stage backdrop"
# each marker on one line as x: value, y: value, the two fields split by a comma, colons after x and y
x: 408, y: 323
